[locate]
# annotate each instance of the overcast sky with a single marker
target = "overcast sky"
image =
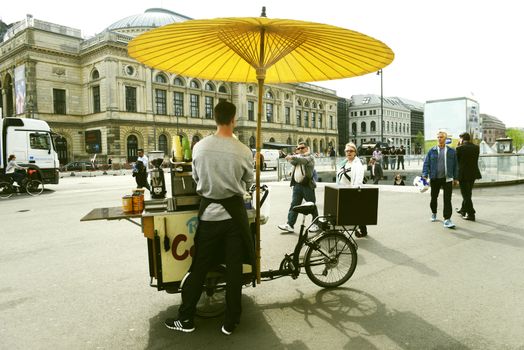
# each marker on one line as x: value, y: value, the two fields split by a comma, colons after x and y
x: 443, y: 49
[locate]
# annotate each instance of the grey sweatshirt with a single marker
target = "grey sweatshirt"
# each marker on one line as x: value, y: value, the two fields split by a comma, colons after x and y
x: 222, y: 168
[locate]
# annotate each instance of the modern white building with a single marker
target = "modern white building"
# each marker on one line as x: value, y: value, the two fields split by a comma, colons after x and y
x: 454, y: 115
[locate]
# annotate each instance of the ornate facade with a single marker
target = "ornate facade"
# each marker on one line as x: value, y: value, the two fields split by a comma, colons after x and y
x: 100, y: 101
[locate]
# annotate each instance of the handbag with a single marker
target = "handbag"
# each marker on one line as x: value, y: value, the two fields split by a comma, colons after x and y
x: 300, y: 176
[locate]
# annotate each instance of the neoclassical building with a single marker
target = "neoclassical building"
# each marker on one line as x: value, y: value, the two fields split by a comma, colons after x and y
x: 365, y: 122
x: 100, y: 101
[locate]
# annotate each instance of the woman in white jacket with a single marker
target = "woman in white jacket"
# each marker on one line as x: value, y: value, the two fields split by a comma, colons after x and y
x: 351, y: 172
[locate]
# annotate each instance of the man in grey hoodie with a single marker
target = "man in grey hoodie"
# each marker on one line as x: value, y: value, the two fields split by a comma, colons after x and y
x: 222, y: 170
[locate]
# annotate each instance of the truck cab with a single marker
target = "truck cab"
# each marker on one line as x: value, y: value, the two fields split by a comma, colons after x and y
x: 31, y: 142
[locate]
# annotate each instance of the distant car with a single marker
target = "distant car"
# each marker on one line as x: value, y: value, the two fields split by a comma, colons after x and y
x: 78, y: 165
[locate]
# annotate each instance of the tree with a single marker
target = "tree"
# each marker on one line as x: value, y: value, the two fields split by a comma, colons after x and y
x: 517, y: 135
x: 419, y: 141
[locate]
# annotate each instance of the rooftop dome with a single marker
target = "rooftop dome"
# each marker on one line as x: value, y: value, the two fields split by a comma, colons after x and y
x: 151, y: 18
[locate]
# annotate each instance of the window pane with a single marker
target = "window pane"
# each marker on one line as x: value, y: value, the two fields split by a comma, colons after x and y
x: 161, y: 101
x: 179, y: 103
x: 39, y: 141
x: 59, y: 101
x: 287, y: 111
x: 162, y: 143
x: 194, y: 105
x: 250, y: 110
x: 96, y: 99
x: 130, y: 99
x: 209, y: 107
x: 269, y: 112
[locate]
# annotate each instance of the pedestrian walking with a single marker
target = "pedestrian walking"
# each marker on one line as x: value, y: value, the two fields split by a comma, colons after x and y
x: 441, y: 166
x: 468, y: 172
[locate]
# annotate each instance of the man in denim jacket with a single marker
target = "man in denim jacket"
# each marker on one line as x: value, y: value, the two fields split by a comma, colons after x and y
x: 442, y: 167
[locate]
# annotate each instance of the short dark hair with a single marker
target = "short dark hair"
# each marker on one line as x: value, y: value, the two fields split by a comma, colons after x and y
x: 11, y: 156
x: 140, y: 150
x: 224, y: 112
x: 465, y: 136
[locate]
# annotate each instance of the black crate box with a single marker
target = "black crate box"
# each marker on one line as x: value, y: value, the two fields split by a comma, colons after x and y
x: 351, y: 205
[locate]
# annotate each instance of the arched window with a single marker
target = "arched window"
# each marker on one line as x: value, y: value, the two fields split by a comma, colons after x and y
x: 271, y: 139
x: 252, y: 142
x: 194, y: 84
x: 269, y: 94
x: 95, y: 75
x: 299, y: 102
x: 210, y: 87
x: 314, y: 105
x: 179, y: 82
x: 306, y: 104
x: 160, y: 78
x: 354, y: 128
x: 373, y: 126
x: 289, y: 141
x: 222, y: 89
x: 387, y: 126
x: 162, y: 144
x: 321, y: 145
x: 363, y: 127
x: 132, y: 148
x: 315, y: 150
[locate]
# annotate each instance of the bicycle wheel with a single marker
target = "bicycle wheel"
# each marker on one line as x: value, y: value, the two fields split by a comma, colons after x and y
x: 331, y: 260
x: 6, y: 190
x: 34, y: 187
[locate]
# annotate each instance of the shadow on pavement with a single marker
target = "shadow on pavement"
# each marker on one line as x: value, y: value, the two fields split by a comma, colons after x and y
x: 394, y: 256
x: 364, y: 320
x: 254, y: 332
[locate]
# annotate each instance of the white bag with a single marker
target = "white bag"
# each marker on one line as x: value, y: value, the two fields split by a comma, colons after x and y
x: 421, y: 184
x: 299, y: 173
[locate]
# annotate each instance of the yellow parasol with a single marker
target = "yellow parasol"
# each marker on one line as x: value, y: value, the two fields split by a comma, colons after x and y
x: 259, y: 50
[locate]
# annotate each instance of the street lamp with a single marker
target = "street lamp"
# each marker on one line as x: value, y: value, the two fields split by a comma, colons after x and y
x: 379, y: 72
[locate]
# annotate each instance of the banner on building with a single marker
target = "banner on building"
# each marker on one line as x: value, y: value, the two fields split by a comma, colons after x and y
x: 20, y: 89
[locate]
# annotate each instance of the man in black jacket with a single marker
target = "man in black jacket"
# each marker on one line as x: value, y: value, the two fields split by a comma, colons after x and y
x: 468, y: 172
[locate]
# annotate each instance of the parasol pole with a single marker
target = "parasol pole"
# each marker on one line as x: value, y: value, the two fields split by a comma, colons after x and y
x: 261, y: 75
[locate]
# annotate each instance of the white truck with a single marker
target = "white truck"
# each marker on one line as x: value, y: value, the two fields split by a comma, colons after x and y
x: 31, y: 142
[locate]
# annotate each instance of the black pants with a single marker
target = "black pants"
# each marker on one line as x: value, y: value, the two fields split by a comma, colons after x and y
x: 436, y: 185
x: 216, y: 242
x: 466, y: 188
x: 400, y: 160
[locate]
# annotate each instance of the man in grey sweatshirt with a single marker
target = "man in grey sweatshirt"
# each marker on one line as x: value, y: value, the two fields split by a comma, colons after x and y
x: 223, y: 170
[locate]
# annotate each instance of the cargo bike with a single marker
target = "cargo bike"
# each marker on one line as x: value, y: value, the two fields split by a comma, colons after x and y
x: 328, y: 256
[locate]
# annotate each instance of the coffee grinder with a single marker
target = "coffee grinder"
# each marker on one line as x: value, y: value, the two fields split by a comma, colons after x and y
x: 158, y: 183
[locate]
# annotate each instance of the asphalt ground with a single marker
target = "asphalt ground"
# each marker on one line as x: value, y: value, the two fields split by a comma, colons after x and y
x: 66, y: 284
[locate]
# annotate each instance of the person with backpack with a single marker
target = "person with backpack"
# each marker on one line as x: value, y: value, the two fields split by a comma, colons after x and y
x: 140, y: 170
x: 303, y: 185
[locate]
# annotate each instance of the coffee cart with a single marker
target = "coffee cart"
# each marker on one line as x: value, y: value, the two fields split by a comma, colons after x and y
x: 169, y: 226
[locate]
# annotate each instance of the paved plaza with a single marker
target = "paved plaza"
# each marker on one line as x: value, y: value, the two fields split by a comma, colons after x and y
x: 67, y: 284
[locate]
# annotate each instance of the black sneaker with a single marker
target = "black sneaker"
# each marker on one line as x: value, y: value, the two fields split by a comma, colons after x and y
x: 179, y: 325
x: 228, y: 329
